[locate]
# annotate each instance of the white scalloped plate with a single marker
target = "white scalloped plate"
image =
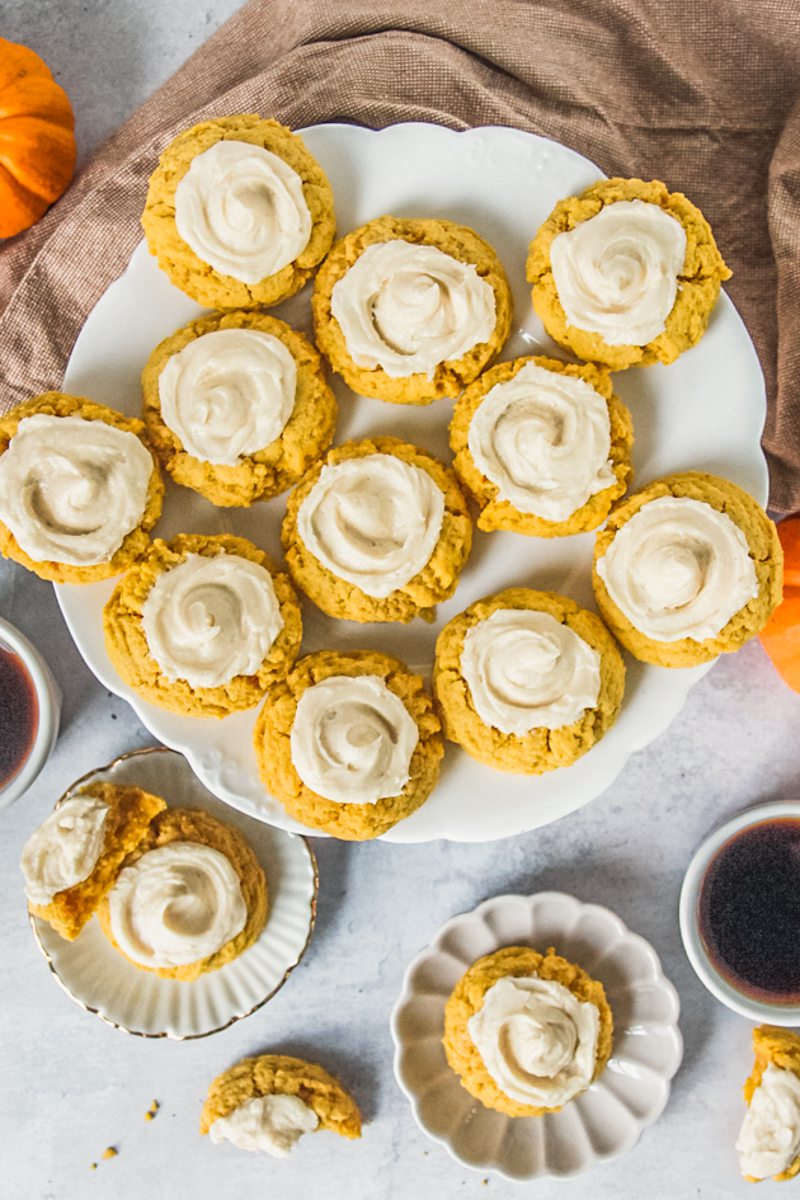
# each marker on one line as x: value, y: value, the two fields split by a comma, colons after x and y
x: 101, y: 981
x: 706, y: 411
x: 604, y: 1121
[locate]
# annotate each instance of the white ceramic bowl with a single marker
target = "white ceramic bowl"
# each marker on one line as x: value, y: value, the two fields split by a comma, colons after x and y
x: 48, y: 699
x: 717, y: 984
x: 604, y: 1121
x: 101, y: 981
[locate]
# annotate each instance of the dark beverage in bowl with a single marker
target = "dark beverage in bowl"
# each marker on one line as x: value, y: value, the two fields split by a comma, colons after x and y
x: 749, y: 910
x: 19, y: 715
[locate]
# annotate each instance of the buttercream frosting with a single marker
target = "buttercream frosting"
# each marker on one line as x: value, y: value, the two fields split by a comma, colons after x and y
x: 352, y: 739
x: 72, y: 489
x: 679, y: 569
x: 241, y: 209
x: 406, y: 308
x: 228, y: 394
x: 526, y: 670
x: 617, y: 273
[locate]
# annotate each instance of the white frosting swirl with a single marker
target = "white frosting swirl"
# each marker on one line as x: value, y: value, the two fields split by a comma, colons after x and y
x: 176, y: 905
x: 64, y: 849
x: 525, y: 670
x: 407, y: 308
x: 209, y: 619
x: 679, y: 569
x: 537, y: 1040
x: 373, y: 521
x: 617, y: 273
x: 271, y: 1124
x: 71, y: 490
x: 241, y: 209
x: 543, y: 440
x: 352, y: 739
x: 228, y: 394
x: 769, y: 1140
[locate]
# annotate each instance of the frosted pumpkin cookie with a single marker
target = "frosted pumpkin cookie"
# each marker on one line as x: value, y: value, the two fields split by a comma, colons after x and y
x: 543, y: 446
x: 769, y: 1140
x: 625, y: 274
x: 191, y: 897
x: 79, y: 489
x: 267, y: 1103
x: 72, y: 859
x: 527, y: 1032
x: 686, y: 569
x: 203, y: 625
x: 349, y: 743
x: 238, y: 213
x: 377, y: 531
x: 409, y: 310
x: 527, y: 681
x: 237, y: 406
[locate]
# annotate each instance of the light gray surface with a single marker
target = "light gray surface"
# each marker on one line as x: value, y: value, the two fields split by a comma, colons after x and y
x: 73, y: 1086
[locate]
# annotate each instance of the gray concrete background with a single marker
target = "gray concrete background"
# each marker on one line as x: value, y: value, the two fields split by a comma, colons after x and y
x: 73, y: 1086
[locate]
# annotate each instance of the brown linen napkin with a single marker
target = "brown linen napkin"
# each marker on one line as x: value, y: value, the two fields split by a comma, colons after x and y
x: 704, y: 94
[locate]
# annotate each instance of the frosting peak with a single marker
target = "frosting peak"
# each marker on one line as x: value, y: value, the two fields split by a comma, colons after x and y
x: 543, y: 439
x: 525, y: 670
x: 65, y: 848
x: 373, y: 520
x: 241, y: 209
x: 177, y: 904
x: 769, y: 1140
x: 271, y: 1124
x: 406, y: 308
x: 537, y: 1040
x: 616, y: 273
x: 207, y: 620
x: 72, y: 489
x: 679, y: 569
x: 352, y: 739
x: 228, y: 394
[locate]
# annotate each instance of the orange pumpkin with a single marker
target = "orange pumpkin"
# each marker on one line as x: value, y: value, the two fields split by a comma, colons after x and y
x: 37, y: 142
x: 781, y: 636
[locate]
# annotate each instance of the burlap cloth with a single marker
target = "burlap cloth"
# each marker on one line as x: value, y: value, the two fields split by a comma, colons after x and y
x: 703, y: 94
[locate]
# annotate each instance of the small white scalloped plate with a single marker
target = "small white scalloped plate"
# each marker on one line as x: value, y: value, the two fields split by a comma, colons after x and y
x: 604, y: 1121
x: 101, y: 981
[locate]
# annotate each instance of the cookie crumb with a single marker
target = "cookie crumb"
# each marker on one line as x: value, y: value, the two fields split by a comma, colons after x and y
x: 110, y: 1152
x: 92, y: 1166
x: 152, y: 1110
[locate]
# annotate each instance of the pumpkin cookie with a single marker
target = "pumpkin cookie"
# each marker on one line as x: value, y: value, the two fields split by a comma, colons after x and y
x: 349, y: 743
x: 79, y: 488
x: 686, y: 569
x: 769, y: 1140
x: 237, y: 406
x: 408, y: 310
x: 238, y: 213
x: 543, y: 446
x: 268, y: 1103
x: 377, y: 531
x: 508, y: 1021
x: 203, y: 625
x: 625, y: 274
x: 72, y: 859
x: 527, y: 681
x: 221, y: 886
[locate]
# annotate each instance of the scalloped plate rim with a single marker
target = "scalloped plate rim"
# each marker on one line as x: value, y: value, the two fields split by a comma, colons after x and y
x: 407, y: 992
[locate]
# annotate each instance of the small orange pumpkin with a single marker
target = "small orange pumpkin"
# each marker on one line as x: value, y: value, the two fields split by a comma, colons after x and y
x: 781, y: 636
x: 37, y: 142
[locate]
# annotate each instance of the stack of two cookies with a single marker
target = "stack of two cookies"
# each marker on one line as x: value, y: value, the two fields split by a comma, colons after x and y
x: 176, y: 891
